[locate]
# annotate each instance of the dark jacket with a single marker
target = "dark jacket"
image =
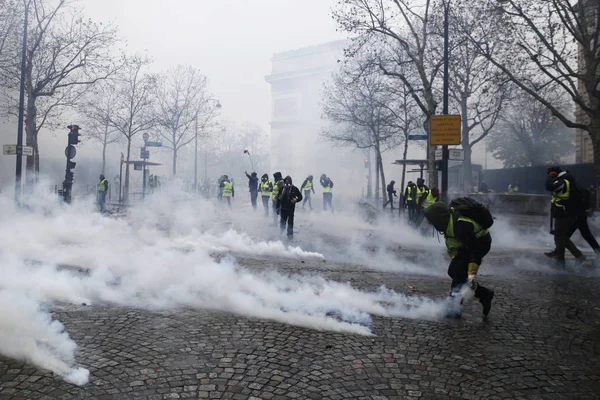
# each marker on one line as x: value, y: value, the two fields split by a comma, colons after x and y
x: 289, y: 192
x: 557, y: 185
x: 252, y: 182
x: 390, y: 189
x: 326, y: 181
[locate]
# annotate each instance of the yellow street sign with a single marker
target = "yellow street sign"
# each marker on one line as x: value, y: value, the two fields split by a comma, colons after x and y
x: 444, y: 129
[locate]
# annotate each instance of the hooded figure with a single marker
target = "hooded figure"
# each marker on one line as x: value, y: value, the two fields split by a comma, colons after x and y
x: 228, y: 191
x: 286, y: 203
x: 467, y: 243
x: 327, y: 184
x: 391, y: 193
x: 410, y: 199
x: 253, y: 188
x: 277, y: 187
x: 307, y: 187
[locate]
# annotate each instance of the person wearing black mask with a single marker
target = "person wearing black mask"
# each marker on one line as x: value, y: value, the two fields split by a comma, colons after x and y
x: 253, y: 188
x: 286, y: 205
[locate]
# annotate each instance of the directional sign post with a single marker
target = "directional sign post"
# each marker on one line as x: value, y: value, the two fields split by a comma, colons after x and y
x: 417, y: 137
x: 12, y: 150
x: 153, y: 144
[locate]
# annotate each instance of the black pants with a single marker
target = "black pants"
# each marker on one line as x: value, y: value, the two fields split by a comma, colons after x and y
x: 274, y: 202
x: 327, y: 201
x: 459, y: 269
x: 307, y: 198
x: 564, y: 227
x: 390, y: 201
x: 584, y: 229
x: 265, y: 200
x: 253, y: 196
x: 412, y: 211
x: 287, y: 217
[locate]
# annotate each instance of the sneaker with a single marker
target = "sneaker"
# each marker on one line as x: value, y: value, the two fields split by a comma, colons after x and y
x: 486, y: 301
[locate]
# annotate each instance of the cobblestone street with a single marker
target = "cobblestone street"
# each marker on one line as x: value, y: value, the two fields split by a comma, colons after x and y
x: 541, y: 341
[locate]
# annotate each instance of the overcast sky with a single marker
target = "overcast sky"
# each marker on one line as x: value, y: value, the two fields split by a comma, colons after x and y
x: 230, y: 41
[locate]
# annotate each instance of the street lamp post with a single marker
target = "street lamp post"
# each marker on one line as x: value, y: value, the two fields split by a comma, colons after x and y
x: 195, y: 186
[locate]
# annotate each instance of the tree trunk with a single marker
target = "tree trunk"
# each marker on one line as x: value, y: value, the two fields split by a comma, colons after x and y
x: 376, y: 177
x: 381, y: 173
x: 369, y: 178
x: 467, y: 170
x: 31, y: 140
x: 126, y: 186
x: 104, y: 148
x: 174, y: 162
x: 433, y: 174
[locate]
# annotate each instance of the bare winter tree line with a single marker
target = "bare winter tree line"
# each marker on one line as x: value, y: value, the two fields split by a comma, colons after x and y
x: 77, y: 69
x: 521, y: 74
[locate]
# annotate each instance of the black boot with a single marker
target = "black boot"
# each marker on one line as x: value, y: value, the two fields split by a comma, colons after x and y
x: 485, y: 297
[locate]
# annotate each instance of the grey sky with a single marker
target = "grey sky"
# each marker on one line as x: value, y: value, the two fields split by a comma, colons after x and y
x: 230, y: 41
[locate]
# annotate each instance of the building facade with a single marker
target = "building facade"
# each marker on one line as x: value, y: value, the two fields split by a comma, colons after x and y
x: 297, y: 148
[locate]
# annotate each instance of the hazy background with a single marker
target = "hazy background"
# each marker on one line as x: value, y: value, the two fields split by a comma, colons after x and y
x: 232, y: 43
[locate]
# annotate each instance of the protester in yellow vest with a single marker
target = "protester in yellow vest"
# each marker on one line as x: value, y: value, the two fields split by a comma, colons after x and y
x: 228, y: 189
x: 307, y: 187
x: 266, y: 188
x: 467, y: 243
x: 277, y: 187
x: 102, y: 190
x: 410, y: 199
x: 327, y: 185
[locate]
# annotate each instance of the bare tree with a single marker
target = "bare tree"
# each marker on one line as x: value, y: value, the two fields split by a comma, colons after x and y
x: 547, y: 43
x: 181, y: 100
x: 405, y: 44
x: 357, y: 104
x: 66, y: 53
x: 477, y: 89
x: 97, y: 108
x: 132, y: 111
x: 530, y: 135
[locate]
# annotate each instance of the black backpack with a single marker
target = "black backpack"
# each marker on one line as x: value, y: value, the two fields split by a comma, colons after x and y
x: 581, y: 198
x: 467, y: 207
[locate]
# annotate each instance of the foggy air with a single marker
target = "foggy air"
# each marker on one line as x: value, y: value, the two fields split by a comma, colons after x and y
x: 273, y: 199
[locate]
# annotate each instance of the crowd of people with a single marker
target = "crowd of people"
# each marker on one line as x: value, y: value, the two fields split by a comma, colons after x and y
x: 279, y: 196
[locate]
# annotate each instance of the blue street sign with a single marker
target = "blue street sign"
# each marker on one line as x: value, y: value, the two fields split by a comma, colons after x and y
x: 153, y: 144
x: 417, y: 137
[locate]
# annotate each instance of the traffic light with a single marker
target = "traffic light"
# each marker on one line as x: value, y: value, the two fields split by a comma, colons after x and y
x: 71, y: 164
x: 69, y: 176
x: 73, y: 134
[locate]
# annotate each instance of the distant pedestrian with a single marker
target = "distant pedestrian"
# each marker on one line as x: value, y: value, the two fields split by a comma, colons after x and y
x: 307, y: 187
x: 102, y: 189
x: 327, y: 185
x: 266, y: 188
x: 253, y: 188
x: 286, y: 204
x: 391, y: 193
x: 228, y: 191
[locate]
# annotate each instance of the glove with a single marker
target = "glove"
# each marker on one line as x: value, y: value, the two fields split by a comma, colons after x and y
x: 472, y: 282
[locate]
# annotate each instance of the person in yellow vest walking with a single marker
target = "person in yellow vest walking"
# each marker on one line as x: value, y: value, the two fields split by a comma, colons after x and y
x: 467, y: 242
x: 266, y: 188
x: 277, y: 187
x: 228, y: 189
x: 327, y: 185
x: 410, y: 199
x: 102, y: 190
x: 307, y: 187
